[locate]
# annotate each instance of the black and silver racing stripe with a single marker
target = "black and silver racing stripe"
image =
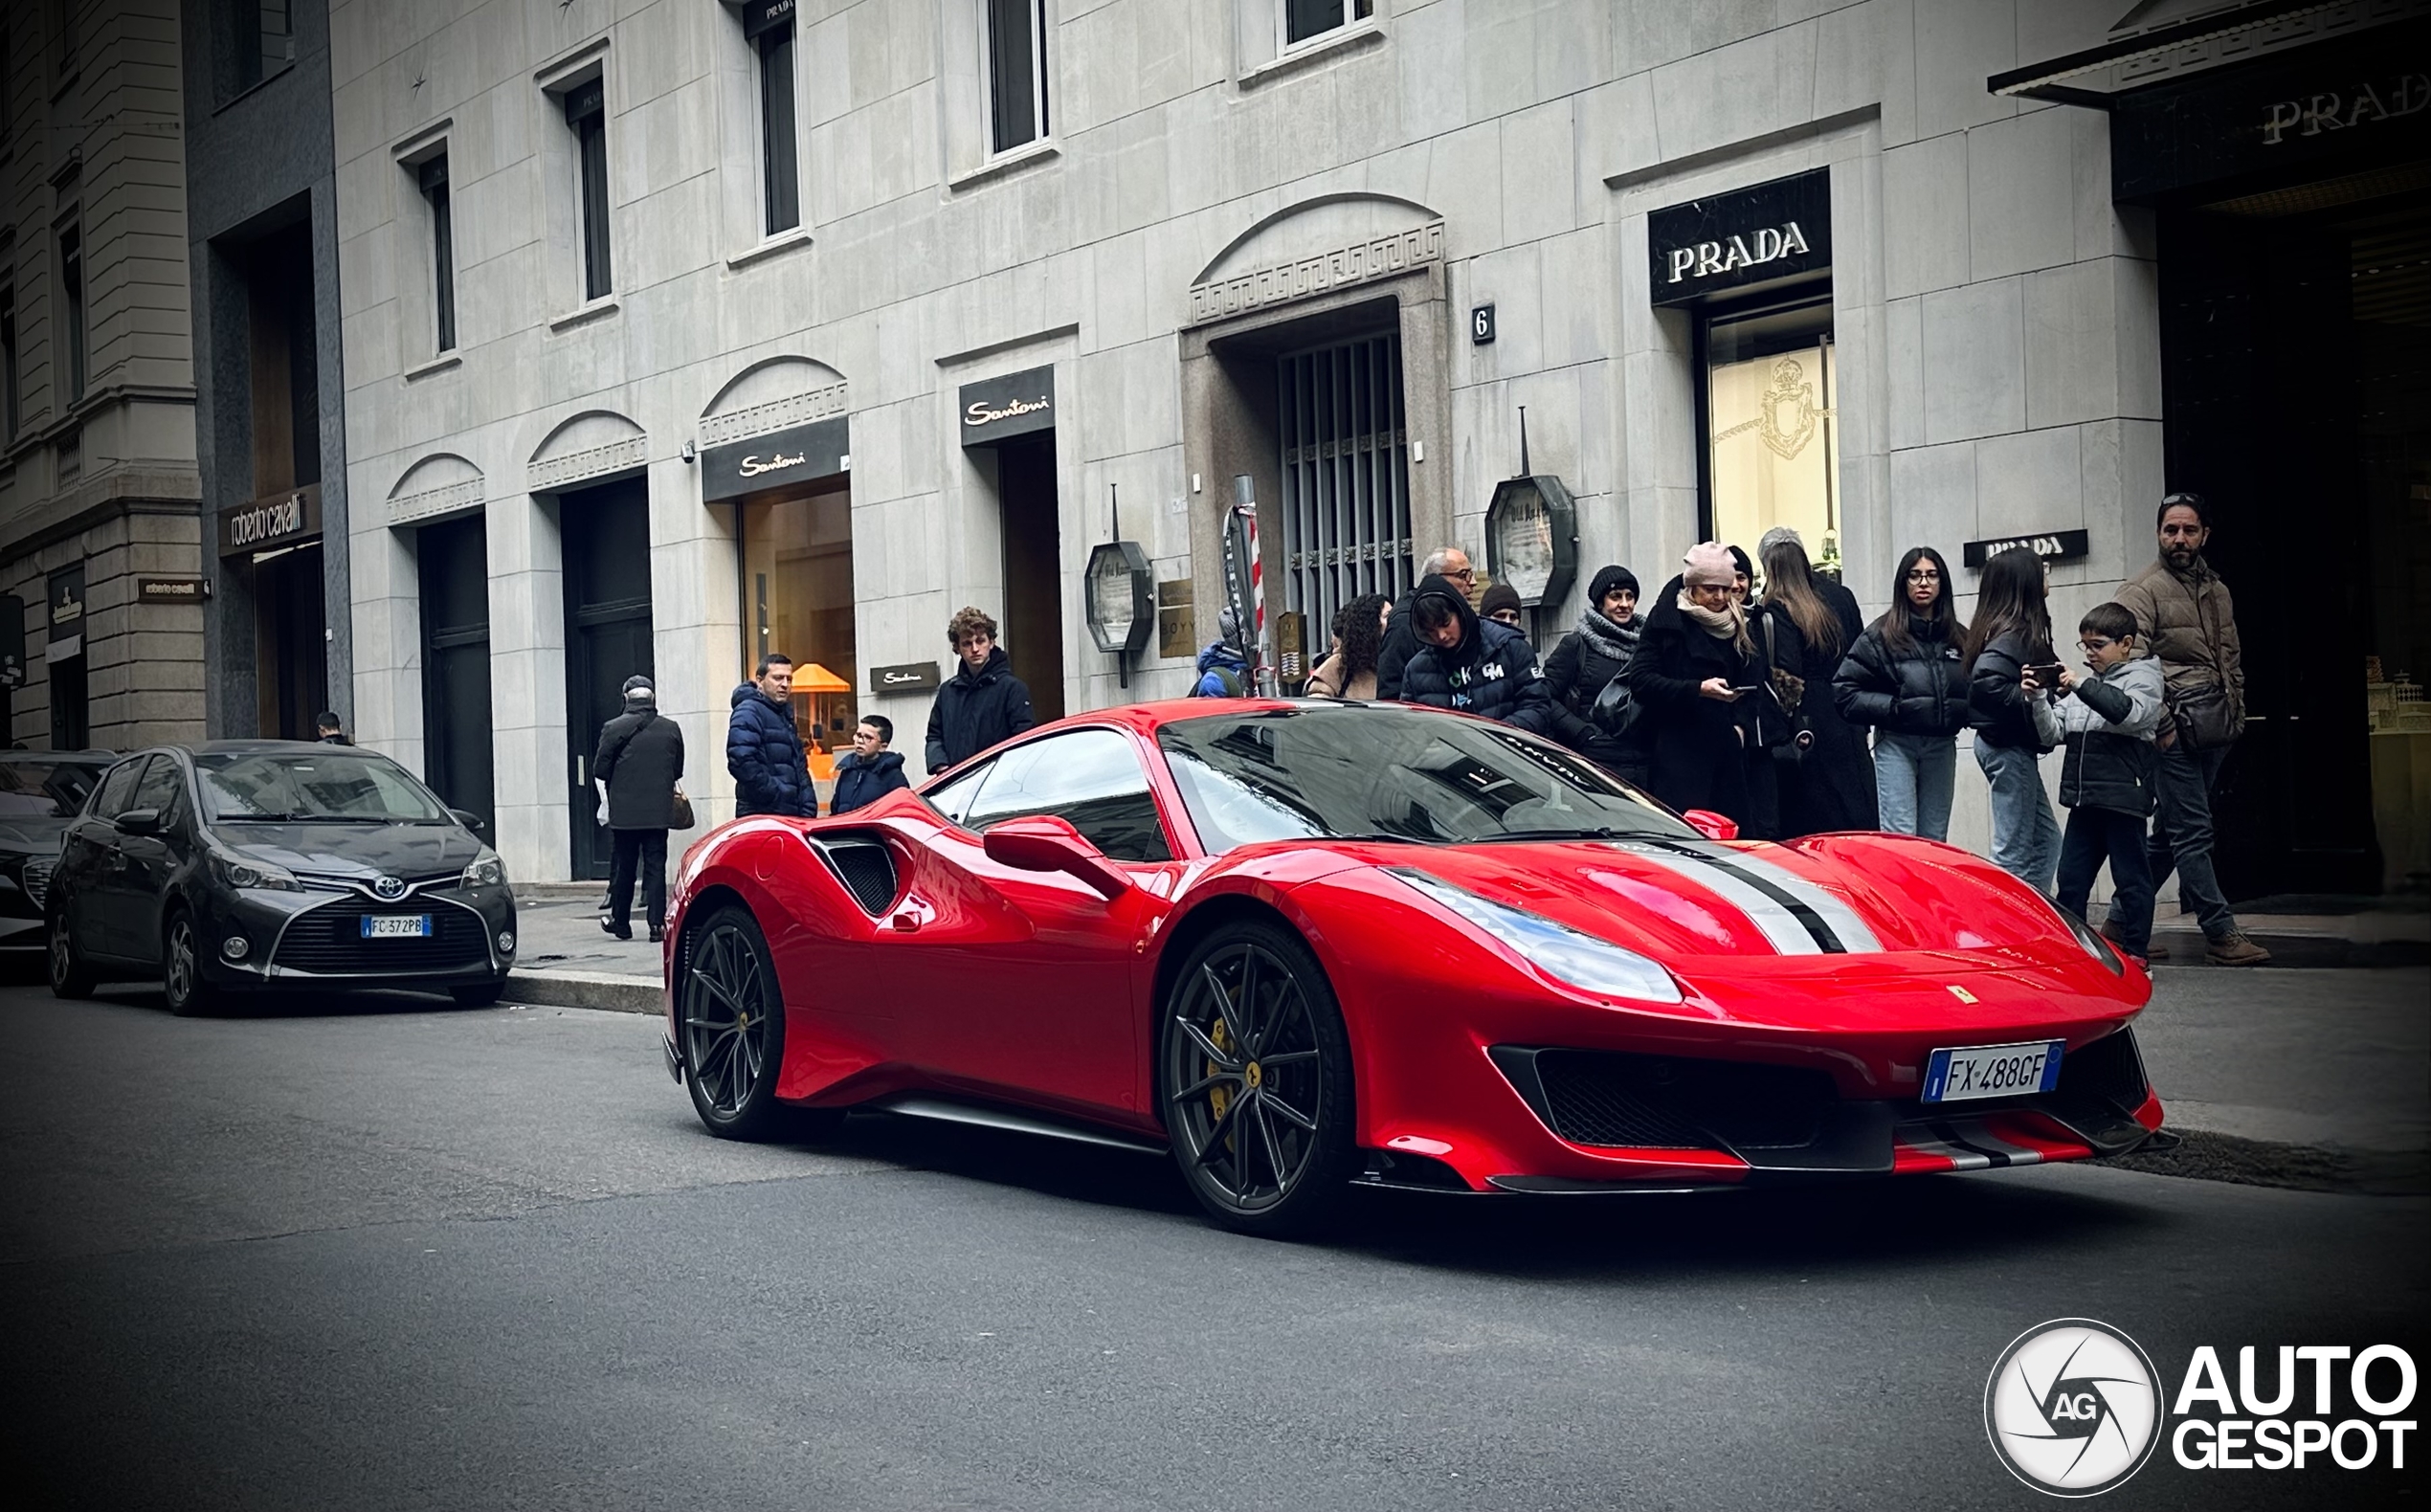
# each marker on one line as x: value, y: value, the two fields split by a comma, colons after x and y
x: 1794, y: 915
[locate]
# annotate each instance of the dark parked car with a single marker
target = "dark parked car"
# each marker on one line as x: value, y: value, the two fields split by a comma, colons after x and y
x: 243, y: 865
x: 42, y: 792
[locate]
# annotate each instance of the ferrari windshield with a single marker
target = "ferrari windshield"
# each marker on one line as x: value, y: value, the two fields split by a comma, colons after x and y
x: 334, y: 784
x: 1391, y: 772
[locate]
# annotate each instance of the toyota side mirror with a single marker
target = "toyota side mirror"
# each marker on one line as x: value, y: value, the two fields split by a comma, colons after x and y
x: 470, y: 820
x: 1711, y: 825
x: 139, y: 821
x: 1044, y: 843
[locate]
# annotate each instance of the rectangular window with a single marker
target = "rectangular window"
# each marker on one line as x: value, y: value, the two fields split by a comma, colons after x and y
x: 1303, y: 20
x: 259, y: 41
x: 781, y: 178
x: 1016, y: 72
x: 586, y: 113
x: 1772, y: 421
x: 72, y: 308
x: 7, y: 361
x: 432, y: 175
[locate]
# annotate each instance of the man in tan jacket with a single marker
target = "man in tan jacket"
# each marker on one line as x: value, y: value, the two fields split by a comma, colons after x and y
x: 2183, y: 613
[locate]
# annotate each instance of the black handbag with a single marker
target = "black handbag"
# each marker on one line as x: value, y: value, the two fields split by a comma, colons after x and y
x: 1616, y: 709
x: 2201, y: 717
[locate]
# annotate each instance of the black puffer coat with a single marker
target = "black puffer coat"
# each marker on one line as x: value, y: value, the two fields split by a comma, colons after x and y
x: 1997, y: 704
x: 764, y: 755
x: 1492, y: 671
x: 1575, y: 674
x: 975, y: 710
x: 1701, y: 745
x: 1921, y: 690
x: 1399, y: 644
x: 1833, y: 787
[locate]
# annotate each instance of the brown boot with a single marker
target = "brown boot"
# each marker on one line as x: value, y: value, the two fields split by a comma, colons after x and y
x: 2235, y: 949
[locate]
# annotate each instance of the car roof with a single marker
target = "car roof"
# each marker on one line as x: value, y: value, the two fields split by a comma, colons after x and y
x: 91, y: 755
x: 1148, y: 717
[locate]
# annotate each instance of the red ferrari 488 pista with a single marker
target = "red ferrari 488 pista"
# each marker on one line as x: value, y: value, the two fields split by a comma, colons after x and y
x: 1307, y: 944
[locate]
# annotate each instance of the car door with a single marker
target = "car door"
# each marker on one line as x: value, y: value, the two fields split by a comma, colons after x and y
x: 145, y: 860
x: 90, y: 859
x: 1024, y: 980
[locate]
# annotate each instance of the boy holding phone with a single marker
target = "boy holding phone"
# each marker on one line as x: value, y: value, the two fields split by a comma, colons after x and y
x: 2106, y: 779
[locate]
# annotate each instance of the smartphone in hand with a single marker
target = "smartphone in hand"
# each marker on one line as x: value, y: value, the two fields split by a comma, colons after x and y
x: 2046, y: 674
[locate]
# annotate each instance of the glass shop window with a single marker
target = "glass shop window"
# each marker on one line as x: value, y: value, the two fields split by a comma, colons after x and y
x: 1771, y: 427
x: 797, y: 587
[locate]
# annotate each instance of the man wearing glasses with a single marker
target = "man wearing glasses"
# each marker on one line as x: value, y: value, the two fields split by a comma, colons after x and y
x: 1400, y: 635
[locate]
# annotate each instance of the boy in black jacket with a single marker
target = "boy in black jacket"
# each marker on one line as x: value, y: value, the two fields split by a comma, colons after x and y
x: 2106, y: 783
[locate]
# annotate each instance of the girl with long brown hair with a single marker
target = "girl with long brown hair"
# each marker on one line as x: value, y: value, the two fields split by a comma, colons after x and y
x: 1903, y: 676
x: 2011, y: 675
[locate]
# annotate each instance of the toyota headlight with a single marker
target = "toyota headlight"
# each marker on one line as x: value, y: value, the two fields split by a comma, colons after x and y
x: 1567, y: 955
x: 486, y: 870
x: 256, y: 875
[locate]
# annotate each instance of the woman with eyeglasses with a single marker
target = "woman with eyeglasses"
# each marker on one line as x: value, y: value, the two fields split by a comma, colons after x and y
x: 1904, y: 678
x: 2011, y: 677
x: 1477, y: 666
x: 1701, y: 675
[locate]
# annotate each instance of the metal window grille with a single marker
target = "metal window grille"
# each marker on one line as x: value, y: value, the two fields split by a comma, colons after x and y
x: 1346, y: 478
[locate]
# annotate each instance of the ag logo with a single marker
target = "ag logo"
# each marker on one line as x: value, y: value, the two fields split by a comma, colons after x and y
x: 2073, y: 1407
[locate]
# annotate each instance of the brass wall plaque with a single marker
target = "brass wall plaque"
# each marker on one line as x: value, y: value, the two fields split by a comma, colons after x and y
x: 1176, y: 620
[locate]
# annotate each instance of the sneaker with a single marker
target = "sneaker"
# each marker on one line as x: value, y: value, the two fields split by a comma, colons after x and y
x: 2235, y: 949
x: 610, y: 926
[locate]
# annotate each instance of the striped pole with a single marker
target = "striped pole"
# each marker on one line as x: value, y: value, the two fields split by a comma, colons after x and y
x: 1246, y: 507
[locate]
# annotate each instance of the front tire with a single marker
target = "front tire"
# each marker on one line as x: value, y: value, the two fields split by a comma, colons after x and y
x: 70, y: 976
x: 182, y: 981
x: 1254, y: 1067
x: 733, y: 1027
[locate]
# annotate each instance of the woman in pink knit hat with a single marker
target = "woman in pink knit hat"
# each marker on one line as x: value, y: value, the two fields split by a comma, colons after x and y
x: 1699, y: 674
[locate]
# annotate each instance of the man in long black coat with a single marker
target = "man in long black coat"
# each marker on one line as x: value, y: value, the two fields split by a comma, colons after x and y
x: 640, y: 760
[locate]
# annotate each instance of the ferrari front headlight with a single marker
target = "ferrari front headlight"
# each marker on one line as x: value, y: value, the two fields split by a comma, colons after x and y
x: 1571, y: 957
x: 2094, y: 945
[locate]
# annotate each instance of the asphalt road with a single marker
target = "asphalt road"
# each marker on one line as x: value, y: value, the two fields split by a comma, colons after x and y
x: 398, y: 1255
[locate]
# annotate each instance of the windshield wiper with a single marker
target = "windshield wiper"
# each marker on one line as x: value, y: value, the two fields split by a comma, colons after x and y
x: 1605, y: 832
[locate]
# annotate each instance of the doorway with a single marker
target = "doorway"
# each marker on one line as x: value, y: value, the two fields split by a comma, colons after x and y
x: 1033, y: 568
x: 453, y: 565
x: 292, y: 640
x: 604, y: 533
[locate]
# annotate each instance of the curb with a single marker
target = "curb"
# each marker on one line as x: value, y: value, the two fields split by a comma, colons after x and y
x: 2206, y: 1155
x: 609, y: 991
x: 566, y: 893
x: 2302, y: 951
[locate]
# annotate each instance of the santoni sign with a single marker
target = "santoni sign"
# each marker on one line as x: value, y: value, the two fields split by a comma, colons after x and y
x: 1000, y: 408
x: 801, y: 454
x: 1771, y: 233
x: 281, y: 520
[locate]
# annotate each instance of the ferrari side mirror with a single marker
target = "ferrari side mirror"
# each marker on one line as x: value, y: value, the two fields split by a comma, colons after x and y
x: 1711, y: 825
x: 1045, y: 843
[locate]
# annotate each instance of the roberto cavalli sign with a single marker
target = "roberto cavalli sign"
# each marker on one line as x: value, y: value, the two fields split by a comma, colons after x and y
x: 999, y: 409
x: 1771, y: 233
x: 281, y: 520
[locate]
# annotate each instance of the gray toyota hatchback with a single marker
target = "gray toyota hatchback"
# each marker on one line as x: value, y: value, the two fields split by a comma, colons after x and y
x: 237, y: 866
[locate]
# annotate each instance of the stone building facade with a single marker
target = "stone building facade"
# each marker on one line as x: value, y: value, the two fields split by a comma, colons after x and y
x: 101, y: 621
x: 794, y: 327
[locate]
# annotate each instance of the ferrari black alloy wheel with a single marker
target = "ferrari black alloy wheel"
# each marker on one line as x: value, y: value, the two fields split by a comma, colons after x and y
x: 70, y: 976
x: 1256, y: 1072
x: 734, y: 1031
x: 182, y: 969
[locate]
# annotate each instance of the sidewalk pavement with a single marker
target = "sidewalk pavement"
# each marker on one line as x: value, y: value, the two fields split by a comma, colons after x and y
x: 2286, y: 1076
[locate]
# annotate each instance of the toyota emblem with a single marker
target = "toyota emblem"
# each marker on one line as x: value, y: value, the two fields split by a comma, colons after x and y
x: 391, y: 888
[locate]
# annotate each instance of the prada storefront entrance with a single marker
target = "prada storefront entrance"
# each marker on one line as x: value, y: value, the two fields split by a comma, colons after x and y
x: 275, y: 544
x: 2292, y: 195
x: 792, y: 499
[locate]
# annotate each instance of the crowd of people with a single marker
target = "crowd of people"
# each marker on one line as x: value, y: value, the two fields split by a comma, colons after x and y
x: 1752, y: 689
x: 1767, y: 698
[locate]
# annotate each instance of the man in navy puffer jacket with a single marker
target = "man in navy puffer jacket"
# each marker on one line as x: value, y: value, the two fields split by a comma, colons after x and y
x: 764, y: 751
x: 1477, y: 666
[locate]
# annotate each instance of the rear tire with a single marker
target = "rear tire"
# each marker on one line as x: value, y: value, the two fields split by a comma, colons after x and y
x: 486, y: 995
x: 70, y: 976
x: 1254, y: 1070
x: 181, y: 980
x: 732, y: 1019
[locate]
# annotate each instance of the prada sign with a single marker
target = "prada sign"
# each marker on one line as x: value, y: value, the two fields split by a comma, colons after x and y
x: 911, y: 676
x: 2052, y: 546
x: 779, y: 459
x: 282, y: 519
x: 1000, y: 408
x: 1748, y: 238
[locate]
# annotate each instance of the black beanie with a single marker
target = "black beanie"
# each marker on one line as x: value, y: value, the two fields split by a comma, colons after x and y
x: 1609, y: 581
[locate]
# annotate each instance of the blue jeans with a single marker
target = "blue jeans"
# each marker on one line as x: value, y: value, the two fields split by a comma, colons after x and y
x: 2096, y: 835
x: 2182, y: 836
x: 1913, y: 778
x: 2025, y: 838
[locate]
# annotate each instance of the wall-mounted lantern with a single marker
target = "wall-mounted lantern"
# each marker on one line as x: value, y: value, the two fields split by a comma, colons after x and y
x: 1532, y: 533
